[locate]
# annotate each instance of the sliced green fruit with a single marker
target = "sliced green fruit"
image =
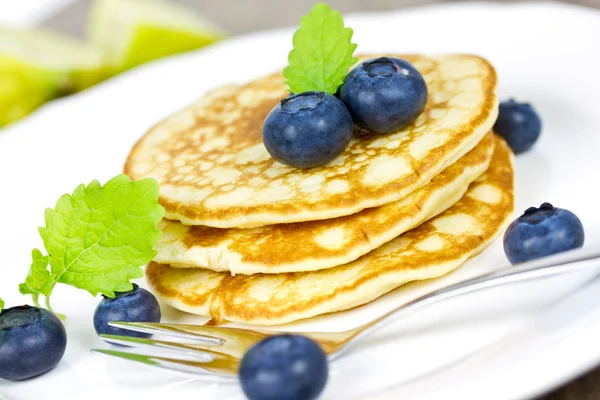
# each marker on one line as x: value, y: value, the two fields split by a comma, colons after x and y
x: 132, y: 32
x: 36, y: 66
x: 48, y: 51
x: 23, y: 88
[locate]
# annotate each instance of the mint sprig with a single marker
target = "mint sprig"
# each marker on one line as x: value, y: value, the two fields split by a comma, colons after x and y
x: 322, y: 52
x: 38, y: 281
x: 97, y: 238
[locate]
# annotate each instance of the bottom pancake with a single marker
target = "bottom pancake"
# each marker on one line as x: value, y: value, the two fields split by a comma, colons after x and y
x: 430, y: 250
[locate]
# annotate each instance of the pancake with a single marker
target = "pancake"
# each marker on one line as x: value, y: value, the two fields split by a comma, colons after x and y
x: 314, y: 245
x: 214, y: 170
x: 433, y: 249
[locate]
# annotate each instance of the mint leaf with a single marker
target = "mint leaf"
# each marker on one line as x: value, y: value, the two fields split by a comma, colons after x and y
x: 1, y: 304
x: 97, y: 238
x: 38, y: 280
x: 322, y: 52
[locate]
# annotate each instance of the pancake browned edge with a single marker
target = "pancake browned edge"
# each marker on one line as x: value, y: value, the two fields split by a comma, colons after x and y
x: 316, y: 245
x: 433, y: 249
x: 214, y: 170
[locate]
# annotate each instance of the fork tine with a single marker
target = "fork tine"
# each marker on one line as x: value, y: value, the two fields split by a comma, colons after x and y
x: 222, y: 368
x: 170, y: 329
x: 233, y: 341
x: 197, y: 351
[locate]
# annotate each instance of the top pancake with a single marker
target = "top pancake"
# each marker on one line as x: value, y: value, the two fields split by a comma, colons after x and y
x: 214, y: 170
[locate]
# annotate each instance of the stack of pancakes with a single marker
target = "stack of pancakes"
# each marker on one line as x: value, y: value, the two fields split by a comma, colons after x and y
x: 248, y: 239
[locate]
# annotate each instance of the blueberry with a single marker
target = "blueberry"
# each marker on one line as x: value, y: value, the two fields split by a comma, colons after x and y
x: 284, y: 367
x: 137, y: 305
x: 32, y: 341
x: 518, y: 124
x: 541, y: 232
x: 384, y: 95
x: 307, y: 129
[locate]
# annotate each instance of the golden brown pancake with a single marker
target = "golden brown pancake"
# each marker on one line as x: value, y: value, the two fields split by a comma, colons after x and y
x: 214, y: 170
x: 314, y: 245
x: 432, y: 249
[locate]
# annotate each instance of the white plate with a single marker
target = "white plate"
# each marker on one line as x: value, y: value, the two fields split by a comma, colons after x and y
x: 513, y: 342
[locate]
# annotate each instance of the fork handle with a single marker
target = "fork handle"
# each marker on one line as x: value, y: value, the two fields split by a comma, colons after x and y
x: 561, y: 263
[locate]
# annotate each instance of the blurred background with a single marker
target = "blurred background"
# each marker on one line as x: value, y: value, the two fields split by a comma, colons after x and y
x: 52, y: 48
x: 237, y: 16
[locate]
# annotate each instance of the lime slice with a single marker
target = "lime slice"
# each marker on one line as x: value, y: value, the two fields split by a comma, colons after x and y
x: 132, y: 32
x: 36, y: 66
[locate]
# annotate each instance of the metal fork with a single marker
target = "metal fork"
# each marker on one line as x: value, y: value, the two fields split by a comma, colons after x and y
x: 214, y: 353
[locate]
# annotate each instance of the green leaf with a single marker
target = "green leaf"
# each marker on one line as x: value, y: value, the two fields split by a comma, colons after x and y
x: 1, y: 304
x: 322, y: 52
x: 99, y: 236
x: 38, y: 280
